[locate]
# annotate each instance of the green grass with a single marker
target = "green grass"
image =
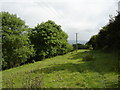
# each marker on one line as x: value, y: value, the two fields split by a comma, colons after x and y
x: 66, y: 71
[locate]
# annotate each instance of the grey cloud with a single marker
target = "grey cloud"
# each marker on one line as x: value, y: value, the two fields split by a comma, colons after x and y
x: 82, y: 16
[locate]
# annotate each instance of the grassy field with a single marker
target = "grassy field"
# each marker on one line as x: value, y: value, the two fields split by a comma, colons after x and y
x: 66, y: 71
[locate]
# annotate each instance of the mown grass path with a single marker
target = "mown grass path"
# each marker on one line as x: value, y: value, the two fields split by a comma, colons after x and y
x: 66, y: 71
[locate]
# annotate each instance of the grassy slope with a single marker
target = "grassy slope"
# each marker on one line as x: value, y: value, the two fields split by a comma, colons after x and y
x: 66, y: 71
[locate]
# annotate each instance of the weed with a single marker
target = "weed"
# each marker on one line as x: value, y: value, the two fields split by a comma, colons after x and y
x: 9, y: 83
x: 35, y: 82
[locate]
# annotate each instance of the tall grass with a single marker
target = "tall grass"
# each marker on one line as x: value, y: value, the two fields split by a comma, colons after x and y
x: 97, y: 70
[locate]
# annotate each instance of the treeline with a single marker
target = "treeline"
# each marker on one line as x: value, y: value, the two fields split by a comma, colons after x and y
x: 21, y: 44
x: 80, y: 46
x: 108, y: 37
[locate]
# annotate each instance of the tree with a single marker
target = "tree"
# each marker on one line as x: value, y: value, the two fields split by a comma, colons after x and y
x: 93, y: 41
x: 16, y: 46
x: 48, y: 40
x: 108, y: 37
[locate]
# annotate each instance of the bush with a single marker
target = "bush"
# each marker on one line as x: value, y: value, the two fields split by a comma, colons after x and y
x: 88, y: 57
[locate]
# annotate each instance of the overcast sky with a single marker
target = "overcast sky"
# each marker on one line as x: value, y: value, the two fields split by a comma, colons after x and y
x: 84, y: 17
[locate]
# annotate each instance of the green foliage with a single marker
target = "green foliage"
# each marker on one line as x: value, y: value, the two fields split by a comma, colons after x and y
x: 4, y: 63
x: 92, y: 42
x: 109, y: 36
x: 69, y: 47
x: 80, y: 46
x: 49, y: 40
x: 16, y: 46
x: 66, y: 71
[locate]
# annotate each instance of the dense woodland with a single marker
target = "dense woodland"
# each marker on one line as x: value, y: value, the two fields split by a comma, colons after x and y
x: 21, y: 44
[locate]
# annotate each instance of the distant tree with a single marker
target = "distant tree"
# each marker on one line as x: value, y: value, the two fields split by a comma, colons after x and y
x: 80, y: 46
x: 16, y: 46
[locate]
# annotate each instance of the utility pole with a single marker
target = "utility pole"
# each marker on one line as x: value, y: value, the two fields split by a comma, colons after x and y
x: 76, y: 42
